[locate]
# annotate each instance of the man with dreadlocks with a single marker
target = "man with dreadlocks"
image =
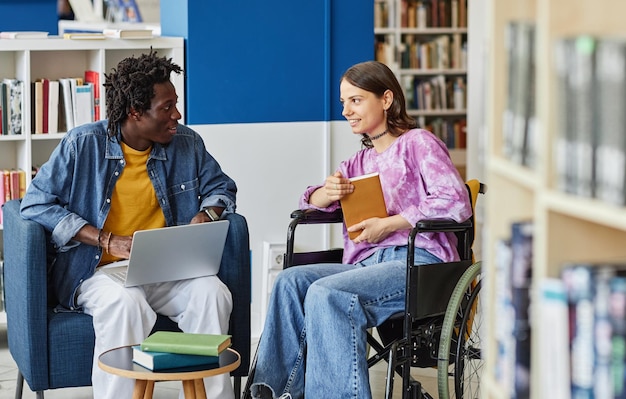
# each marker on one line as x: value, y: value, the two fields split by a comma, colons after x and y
x: 138, y: 170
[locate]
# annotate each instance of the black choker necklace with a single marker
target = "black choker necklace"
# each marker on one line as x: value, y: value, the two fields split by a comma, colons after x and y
x: 379, y: 135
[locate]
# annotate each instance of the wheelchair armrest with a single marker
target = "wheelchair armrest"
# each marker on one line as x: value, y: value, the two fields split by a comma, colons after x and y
x: 441, y: 225
x: 310, y: 216
x: 314, y: 216
x: 463, y: 230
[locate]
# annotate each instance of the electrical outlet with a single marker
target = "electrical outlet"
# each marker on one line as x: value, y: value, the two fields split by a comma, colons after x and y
x: 273, y: 255
x: 273, y: 259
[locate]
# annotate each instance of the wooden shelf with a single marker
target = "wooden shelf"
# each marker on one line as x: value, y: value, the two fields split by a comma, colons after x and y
x: 432, y: 72
x: 437, y: 112
x: 516, y: 173
x: 567, y: 228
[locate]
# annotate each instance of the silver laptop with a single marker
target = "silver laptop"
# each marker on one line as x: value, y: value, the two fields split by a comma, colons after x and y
x: 171, y: 253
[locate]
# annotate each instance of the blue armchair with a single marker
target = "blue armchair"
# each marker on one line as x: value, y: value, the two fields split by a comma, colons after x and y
x: 54, y: 349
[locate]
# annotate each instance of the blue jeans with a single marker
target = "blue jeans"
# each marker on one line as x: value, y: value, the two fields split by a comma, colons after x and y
x: 318, y: 317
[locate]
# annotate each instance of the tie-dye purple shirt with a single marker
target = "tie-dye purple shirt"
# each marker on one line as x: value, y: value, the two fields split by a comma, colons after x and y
x: 419, y: 182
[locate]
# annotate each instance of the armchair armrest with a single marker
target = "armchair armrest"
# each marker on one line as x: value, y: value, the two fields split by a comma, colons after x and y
x: 236, y: 274
x: 26, y: 291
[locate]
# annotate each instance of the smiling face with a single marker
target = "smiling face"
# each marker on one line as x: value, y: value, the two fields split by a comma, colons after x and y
x: 156, y: 124
x: 363, y: 109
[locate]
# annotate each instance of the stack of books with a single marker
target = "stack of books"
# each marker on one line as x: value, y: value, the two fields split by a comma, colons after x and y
x: 166, y: 350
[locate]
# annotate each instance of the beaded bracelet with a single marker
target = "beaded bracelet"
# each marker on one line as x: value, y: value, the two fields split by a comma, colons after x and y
x: 108, y: 241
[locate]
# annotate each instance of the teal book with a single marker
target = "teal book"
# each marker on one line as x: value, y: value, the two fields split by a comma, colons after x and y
x: 186, y: 343
x: 164, y: 361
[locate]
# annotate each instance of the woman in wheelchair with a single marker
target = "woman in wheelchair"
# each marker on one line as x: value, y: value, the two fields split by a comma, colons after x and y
x: 318, y: 315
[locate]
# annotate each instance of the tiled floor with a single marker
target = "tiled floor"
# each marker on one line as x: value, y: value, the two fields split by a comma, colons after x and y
x: 169, y: 390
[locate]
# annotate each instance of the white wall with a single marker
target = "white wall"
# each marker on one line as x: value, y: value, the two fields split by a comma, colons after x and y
x: 272, y: 164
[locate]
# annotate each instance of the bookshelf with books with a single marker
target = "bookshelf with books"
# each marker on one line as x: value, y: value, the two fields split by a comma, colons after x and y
x: 569, y: 226
x: 425, y: 43
x: 54, y: 59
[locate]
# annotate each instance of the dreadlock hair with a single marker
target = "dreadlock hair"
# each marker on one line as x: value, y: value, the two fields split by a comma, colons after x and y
x: 376, y: 77
x: 131, y: 85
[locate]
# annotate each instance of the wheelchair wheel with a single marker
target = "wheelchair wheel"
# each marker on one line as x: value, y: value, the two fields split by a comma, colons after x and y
x: 460, y: 342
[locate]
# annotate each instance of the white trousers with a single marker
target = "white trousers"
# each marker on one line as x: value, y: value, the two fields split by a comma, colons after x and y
x: 125, y: 316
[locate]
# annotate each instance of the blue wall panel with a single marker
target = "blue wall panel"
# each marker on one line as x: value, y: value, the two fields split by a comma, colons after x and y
x: 270, y: 61
x: 352, y: 41
x: 29, y: 15
x: 247, y: 60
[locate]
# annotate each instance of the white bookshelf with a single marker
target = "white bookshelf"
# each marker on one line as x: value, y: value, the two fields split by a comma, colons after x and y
x: 54, y: 58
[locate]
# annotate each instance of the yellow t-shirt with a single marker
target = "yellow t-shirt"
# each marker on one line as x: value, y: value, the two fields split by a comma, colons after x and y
x: 134, y: 204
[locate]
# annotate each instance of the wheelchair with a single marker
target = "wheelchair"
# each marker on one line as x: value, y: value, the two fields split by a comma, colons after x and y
x: 442, y: 321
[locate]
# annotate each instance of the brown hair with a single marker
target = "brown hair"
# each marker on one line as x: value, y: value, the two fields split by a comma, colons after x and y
x: 376, y: 77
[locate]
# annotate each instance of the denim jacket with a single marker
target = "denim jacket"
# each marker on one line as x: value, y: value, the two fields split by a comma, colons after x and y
x: 74, y: 189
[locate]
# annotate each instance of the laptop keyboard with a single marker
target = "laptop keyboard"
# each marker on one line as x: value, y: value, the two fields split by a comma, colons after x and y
x: 120, y: 276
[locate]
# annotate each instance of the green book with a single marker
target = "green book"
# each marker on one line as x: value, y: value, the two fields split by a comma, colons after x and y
x: 186, y: 343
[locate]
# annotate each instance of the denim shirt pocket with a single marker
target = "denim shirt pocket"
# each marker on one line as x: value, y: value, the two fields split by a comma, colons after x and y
x: 183, y: 199
x: 182, y: 188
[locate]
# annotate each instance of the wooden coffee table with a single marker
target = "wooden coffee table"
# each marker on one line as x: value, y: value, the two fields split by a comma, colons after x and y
x: 119, y: 361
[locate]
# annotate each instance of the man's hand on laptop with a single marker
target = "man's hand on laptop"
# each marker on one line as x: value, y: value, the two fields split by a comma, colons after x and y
x: 119, y: 246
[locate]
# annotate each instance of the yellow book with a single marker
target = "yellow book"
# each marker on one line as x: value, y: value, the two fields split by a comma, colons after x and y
x: 366, y: 201
x: 37, y: 109
x: 22, y: 175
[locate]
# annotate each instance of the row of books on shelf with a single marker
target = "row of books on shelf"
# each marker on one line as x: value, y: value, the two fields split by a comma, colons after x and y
x: 583, y: 317
x: 435, y: 93
x: 590, y: 144
x: 12, y: 186
x: 60, y: 105
x: 421, y: 13
x: 57, y: 105
x: 586, y: 305
x: 453, y: 132
x: 519, y: 120
x: 11, y: 99
x: 385, y: 50
x: 439, y: 52
x: 164, y: 350
x: 512, y: 292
